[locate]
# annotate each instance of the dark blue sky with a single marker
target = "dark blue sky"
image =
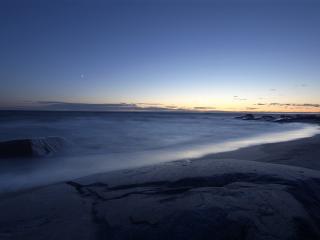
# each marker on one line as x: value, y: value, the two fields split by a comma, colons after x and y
x: 224, y: 55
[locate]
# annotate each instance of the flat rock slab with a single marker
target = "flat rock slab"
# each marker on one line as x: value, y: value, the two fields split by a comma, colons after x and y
x: 203, y: 199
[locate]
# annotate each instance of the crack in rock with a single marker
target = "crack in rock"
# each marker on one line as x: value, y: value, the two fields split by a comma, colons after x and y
x: 301, y: 191
x: 142, y: 222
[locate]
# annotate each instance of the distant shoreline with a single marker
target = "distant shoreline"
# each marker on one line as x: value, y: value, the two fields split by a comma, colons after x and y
x: 149, y: 111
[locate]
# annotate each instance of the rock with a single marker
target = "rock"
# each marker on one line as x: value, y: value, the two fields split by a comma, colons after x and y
x: 283, y: 118
x: 268, y: 118
x: 222, y: 199
x: 311, y: 118
x: 37, y: 147
x: 246, y: 117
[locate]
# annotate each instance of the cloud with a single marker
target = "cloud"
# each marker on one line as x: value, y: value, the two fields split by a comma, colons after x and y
x: 312, y: 105
x: 204, y: 108
x: 104, y: 107
x: 117, y: 107
x: 149, y: 104
x: 289, y: 106
x: 237, y: 98
x: 66, y: 106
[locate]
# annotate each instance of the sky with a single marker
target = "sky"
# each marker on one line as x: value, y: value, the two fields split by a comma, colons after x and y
x: 201, y: 55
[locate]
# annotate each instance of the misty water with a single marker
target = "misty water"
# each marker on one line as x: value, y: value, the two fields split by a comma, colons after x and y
x: 105, y: 141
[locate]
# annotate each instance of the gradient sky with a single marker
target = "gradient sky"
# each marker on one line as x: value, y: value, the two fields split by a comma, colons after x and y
x: 258, y: 55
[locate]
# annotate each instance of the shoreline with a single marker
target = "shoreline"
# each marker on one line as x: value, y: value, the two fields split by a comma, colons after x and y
x: 265, y: 153
x: 257, y: 152
x: 267, y: 191
x: 104, y: 163
x: 278, y: 153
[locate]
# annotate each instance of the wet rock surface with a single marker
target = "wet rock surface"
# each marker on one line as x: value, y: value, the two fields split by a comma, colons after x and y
x: 229, y: 199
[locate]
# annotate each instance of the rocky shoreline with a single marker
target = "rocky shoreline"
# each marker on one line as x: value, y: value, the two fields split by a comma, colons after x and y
x: 264, y: 192
x: 282, y: 118
x: 214, y: 197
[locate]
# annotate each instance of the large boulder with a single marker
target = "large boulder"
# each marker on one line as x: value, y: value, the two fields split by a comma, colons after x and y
x: 36, y: 147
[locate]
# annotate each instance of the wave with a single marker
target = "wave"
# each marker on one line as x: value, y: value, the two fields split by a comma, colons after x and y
x: 111, y: 142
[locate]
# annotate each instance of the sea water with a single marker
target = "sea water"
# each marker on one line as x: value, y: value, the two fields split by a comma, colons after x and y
x: 106, y: 141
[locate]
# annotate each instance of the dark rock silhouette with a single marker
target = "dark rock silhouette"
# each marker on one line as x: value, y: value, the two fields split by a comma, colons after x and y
x: 313, y: 118
x: 37, y: 147
x: 247, y: 117
x: 268, y: 118
x: 283, y: 118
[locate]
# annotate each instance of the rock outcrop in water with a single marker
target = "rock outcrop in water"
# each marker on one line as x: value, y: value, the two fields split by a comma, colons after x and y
x: 37, y: 147
x: 299, y: 118
x: 308, y: 118
x: 247, y: 117
x: 267, y: 118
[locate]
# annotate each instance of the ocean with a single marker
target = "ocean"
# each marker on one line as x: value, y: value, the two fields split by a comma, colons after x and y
x: 105, y: 141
